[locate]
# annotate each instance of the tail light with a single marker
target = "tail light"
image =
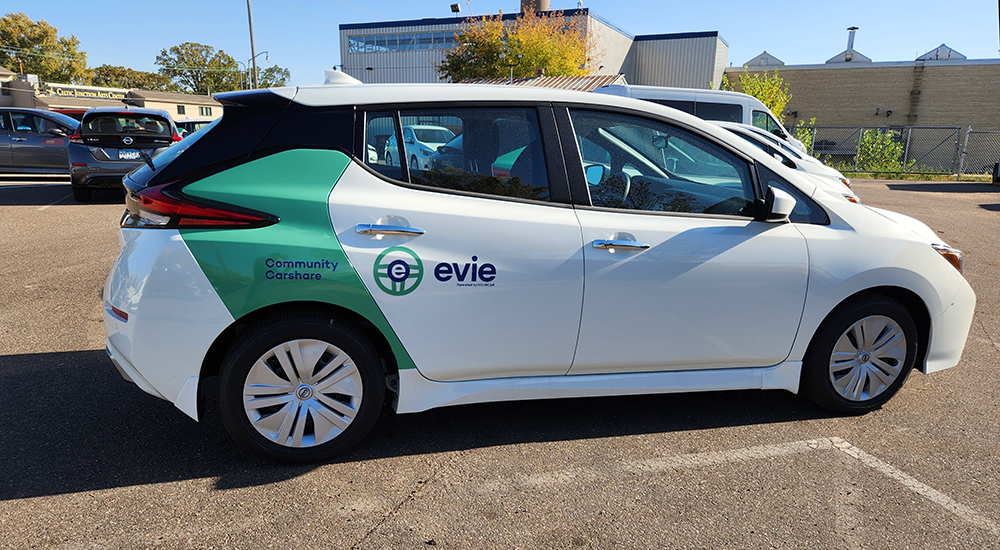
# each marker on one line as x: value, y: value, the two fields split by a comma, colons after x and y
x: 176, y: 137
x: 159, y: 207
x: 76, y: 137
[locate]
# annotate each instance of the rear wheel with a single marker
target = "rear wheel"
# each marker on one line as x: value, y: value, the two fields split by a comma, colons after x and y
x: 301, y: 388
x: 82, y: 194
x: 861, y: 355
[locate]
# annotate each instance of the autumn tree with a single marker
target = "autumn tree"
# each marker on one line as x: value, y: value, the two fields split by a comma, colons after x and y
x: 30, y: 47
x: 272, y: 77
x: 200, y: 69
x: 121, y: 77
x: 768, y: 87
x: 547, y: 41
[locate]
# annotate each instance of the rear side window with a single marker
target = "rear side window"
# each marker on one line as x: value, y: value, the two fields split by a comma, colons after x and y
x: 719, y: 111
x: 382, y: 147
x: 125, y: 123
x: 766, y: 122
x: 479, y: 150
x: 686, y: 106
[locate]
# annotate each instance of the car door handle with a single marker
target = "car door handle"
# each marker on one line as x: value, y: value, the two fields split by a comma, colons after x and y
x: 18, y: 139
x: 612, y: 243
x: 380, y: 229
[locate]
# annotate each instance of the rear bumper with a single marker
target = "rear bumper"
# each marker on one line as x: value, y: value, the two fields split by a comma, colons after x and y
x: 173, y: 315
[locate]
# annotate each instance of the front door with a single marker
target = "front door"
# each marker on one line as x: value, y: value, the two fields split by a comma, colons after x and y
x: 678, y: 274
x: 32, y: 146
x: 475, y: 263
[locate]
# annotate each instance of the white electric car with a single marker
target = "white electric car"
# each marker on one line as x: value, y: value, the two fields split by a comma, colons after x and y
x: 621, y: 247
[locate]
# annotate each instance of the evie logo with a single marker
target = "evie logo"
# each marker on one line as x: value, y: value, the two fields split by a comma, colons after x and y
x: 466, y: 273
x: 398, y: 271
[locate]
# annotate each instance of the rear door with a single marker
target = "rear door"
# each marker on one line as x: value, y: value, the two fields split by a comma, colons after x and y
x: 32, y: 146
x: 477, y: 265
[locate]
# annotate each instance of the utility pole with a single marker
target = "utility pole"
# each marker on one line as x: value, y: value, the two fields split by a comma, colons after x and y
x: 253, y: 55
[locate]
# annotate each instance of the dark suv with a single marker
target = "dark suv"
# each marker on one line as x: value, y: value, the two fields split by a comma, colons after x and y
x: 113, y: 141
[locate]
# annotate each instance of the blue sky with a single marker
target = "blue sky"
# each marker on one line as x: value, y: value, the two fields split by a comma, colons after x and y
x: 302, y: 35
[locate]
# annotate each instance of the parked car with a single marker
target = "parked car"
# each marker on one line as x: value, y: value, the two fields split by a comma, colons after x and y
x: 831, y: 180
x: 72, y: 113
x: 33, y: 141
x: 189, y: 126
x: 318, y: 285
x: 718, y: 105
x: 113, y: 141
x: 420, y: 142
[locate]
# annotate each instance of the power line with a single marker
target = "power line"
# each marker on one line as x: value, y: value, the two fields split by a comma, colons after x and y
x: 10, y: 50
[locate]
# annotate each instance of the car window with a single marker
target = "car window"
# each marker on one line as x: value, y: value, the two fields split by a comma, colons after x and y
x: 380, y: 135
x: 490, y: 151
x: 686, y: 106
x: 27, y: 123
x: 766, y: 122
x: 3, y: 122
x: 656, y: 167
x: 125, y: 123
x: 806, y: 210
x: 719, y: 111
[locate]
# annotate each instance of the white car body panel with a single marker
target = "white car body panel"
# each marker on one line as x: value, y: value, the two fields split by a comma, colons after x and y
x: 420, y: 394
x: 536, y: 249
x: 692, y: 300
x: 174, y: 314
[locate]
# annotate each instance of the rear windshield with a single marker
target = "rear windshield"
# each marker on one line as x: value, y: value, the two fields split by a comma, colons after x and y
x: 433, y: 135
x: 126, y: 123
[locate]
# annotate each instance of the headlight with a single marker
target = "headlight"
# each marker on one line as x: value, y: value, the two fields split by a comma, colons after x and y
x: 953, y: 255
x: 426, y: 152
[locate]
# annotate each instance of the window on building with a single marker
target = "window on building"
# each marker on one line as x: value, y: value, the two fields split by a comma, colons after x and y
x: 406, y: 42
x: 180, y: 110
x: 355, y: 43
x: 204, y: 111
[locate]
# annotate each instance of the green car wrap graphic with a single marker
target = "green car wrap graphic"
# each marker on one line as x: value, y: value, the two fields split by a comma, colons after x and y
x: 398, y: 271
x: 297, y: 259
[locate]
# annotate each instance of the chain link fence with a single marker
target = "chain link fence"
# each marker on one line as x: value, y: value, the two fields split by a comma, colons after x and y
x: 910, y: 150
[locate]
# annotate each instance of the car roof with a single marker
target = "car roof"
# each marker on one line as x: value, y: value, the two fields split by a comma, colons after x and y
x: 128, y: 110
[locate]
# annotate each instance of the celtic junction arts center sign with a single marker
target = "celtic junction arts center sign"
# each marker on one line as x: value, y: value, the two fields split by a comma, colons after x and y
x: 89, y: 92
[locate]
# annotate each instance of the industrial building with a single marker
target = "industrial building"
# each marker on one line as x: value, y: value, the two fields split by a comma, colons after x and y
x: 410, y: 51
x: 940, y: 88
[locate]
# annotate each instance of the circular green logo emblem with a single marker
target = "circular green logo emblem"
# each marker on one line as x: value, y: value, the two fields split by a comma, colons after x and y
x: 398, y: 271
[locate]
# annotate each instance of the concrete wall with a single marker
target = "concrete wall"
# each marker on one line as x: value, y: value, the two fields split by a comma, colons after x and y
x: 933, y: 93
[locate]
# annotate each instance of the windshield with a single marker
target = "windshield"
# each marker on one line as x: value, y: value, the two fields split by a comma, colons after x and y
x: 126, y: 123
x: 65, y: 120
x: 433, y: 135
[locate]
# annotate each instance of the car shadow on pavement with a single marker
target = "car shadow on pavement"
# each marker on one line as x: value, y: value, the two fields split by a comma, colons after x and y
x: 945, y: 187
x: 72, y: 424
x: 990, y: 207
x: 45, y: 195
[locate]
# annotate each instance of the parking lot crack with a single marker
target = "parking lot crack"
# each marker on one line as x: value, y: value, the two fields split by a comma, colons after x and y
x: 421, y: 484
x: 987, y: 333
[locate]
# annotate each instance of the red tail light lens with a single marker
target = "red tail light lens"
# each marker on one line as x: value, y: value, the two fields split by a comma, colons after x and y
x: 177, y: 137
x: 158, y: 207
x: 76, y: 138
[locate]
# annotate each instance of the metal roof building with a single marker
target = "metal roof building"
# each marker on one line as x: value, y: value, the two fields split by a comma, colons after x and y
x: 410, y: 51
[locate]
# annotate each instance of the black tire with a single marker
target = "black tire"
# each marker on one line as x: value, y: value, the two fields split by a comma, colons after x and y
x: 413, y: 163
x: 388, y: 159
x: 309, y: 411
x: 82, y: 194
x: 873, y: 364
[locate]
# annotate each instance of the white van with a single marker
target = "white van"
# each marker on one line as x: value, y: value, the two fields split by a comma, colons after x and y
x: 709, y: 105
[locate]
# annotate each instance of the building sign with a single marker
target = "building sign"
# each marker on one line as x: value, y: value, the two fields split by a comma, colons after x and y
x: 89, y: 92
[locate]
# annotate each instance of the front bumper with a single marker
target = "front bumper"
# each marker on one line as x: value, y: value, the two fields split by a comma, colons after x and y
x: 950, y: 330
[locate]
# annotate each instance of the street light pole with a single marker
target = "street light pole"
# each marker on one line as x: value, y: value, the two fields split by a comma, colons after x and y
x: 503, y: 58
x: 253, y: 55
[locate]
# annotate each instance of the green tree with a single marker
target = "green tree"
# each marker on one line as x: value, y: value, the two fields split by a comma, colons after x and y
x: 547, y: 41
x: 200, y: 69
x: 805, y: 132
x: 769, y: 88
x: 121, y: 77
x: 272, y: 77
x: 30, y: 47
x: 881, y: 151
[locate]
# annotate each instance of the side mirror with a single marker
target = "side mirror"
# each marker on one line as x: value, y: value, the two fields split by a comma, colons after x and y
x: 660, y: 142
x: 785, y: 161
x: 778, y: 205
x: 595, y: 173
x: 409, y: 140
x: 57, y: 132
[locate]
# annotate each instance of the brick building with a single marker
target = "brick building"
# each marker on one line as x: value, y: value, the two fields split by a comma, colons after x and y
x: 940, y: 88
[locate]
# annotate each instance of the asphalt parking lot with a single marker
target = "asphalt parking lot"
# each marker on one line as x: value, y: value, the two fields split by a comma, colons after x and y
x: 88, y: 460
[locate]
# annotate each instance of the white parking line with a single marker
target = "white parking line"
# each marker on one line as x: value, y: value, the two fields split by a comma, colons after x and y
x: 52, y: 203
x: 700, y: 460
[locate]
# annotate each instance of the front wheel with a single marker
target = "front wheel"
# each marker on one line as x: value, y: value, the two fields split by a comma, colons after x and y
x: 413, y: 163
x: 301, y: 388
x: 388, y: 159
x: 860, y: 356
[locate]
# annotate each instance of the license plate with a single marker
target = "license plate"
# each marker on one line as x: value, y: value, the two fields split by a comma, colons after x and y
x: 128, y: 154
